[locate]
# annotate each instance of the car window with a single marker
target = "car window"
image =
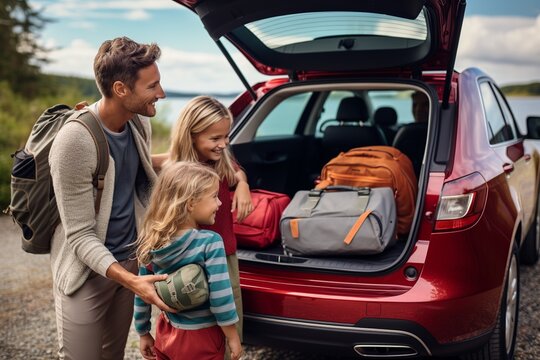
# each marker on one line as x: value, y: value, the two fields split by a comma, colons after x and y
x: 313, y: 32
x: 284, y: 118
x: 508, y: 115
x: 399, y: 100
x: 498, y: 130
x: 330, y: 108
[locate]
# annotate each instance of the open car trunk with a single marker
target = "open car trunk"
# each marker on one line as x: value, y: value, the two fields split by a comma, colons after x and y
x: 377, y: 48
x: 281, y: 144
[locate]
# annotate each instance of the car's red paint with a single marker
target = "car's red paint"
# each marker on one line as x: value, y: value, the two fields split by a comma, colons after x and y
x: 446, y: 292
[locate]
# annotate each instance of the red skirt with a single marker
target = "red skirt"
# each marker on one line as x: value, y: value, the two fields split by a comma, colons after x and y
x: 178, y: 344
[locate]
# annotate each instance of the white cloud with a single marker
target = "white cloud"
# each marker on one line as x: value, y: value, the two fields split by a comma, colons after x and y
x: 507, y: 48
x: 203, y: 72
x: 75, y: 59
x: 70, y: 7
x: 129, y: 9
x: 138, y: 14
x: 180, y: 70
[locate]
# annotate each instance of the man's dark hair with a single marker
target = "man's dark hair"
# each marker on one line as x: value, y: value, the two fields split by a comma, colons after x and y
x: 121, y: 59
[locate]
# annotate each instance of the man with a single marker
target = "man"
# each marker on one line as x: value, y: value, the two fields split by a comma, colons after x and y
x: 420, y: 107
x: 93, y: 267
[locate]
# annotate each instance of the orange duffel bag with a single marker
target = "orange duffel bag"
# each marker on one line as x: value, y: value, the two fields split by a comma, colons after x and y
x: 376, y: 166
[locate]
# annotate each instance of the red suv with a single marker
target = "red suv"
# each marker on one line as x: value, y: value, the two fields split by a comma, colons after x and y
x: 451, y: 285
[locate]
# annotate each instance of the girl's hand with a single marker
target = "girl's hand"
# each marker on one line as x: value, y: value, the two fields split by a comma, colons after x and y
x: 146, y: 346
x: 233, y: 340
x: 242, y: 201
x: 236, y: 349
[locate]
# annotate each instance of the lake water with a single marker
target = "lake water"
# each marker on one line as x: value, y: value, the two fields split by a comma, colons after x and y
x: 169, y: 108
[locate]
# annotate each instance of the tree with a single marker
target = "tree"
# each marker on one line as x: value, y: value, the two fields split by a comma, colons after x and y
x: 21, y: 56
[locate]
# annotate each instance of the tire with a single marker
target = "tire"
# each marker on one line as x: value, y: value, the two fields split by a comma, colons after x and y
x: 501, y: 344
x: 530, y: 248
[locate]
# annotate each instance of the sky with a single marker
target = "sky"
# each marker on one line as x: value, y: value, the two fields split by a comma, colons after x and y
x: 500, y: 37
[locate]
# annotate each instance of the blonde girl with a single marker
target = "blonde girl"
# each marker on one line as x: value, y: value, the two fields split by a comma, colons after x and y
x: 201, y: 134
x: 184, y: 198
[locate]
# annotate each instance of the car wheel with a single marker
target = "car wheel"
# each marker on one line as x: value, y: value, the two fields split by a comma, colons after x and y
x: 501, y: 344
x: 531, y: 245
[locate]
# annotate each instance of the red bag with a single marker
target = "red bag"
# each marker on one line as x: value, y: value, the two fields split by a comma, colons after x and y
x: 261, y: 228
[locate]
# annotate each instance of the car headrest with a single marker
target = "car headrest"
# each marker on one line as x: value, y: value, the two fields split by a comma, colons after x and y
x: 385, y: 116
x: 352, y: 109
x: 410, y: 139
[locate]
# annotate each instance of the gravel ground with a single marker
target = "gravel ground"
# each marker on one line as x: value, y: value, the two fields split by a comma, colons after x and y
x: 27, y: 322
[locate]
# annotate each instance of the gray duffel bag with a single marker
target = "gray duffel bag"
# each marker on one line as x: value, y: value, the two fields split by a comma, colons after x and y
x: 339, y: 220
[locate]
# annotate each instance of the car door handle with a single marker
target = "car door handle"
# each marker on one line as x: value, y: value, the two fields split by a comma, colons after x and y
x: 508, y: 168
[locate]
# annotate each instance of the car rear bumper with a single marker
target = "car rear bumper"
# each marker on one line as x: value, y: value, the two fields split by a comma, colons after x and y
x: 370, y: 338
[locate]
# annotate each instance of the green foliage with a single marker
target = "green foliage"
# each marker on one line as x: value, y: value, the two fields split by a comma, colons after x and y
x: 57, y: 84
x: 161, y: 131
x: 17, y: 115
x: 532, y: 89
x: 21, y: 53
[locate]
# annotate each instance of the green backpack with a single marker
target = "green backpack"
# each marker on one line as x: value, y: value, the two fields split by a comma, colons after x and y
x: 184, y: 289
x: 33, y: 204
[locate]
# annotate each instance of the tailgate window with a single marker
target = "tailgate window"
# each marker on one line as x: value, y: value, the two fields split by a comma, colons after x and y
x: 314, y: 32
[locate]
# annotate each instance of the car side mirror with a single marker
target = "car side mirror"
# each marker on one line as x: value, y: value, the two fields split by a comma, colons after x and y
x: 533, y: 127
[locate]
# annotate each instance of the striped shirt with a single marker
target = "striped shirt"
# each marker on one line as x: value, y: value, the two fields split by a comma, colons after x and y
x: 203, y: 247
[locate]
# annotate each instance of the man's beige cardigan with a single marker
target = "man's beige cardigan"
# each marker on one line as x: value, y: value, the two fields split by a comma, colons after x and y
x: 78, y: 242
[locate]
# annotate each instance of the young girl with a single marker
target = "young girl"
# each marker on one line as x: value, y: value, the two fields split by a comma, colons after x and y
x: 186, y: 196
x: 201, y: 134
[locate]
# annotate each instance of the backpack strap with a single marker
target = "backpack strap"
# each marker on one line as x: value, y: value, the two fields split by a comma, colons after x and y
x: 90, y: 121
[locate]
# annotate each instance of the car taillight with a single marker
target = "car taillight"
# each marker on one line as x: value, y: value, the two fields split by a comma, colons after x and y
x: 462, y: 202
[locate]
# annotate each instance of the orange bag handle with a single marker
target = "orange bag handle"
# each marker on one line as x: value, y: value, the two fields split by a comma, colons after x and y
x: 357, y: 225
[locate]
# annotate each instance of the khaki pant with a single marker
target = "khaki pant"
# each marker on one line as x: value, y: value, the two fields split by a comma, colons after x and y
x: 234, y: 275
x: 94, y: 322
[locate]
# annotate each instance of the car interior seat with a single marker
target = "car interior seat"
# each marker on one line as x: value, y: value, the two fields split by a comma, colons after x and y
x: 411, y: 140
x: 386, y: 118
x: 352, y: 130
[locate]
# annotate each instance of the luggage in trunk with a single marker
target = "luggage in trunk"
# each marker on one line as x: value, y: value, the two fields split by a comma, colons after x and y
x: 261, y: 227
x: 376, y: 166
x: 339, y: 221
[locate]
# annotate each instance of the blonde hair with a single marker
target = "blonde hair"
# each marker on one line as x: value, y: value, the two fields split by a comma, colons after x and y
x: 198, y: 115
x: 176, y: 185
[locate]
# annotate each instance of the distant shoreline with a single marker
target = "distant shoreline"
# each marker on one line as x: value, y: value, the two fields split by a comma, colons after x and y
x: 174, y: 94
x: 88, y: 88
x: 531, y: 89
x: 522, y: 95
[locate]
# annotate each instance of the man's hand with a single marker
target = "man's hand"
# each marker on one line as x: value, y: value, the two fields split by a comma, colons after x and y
x: 143, y: 286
